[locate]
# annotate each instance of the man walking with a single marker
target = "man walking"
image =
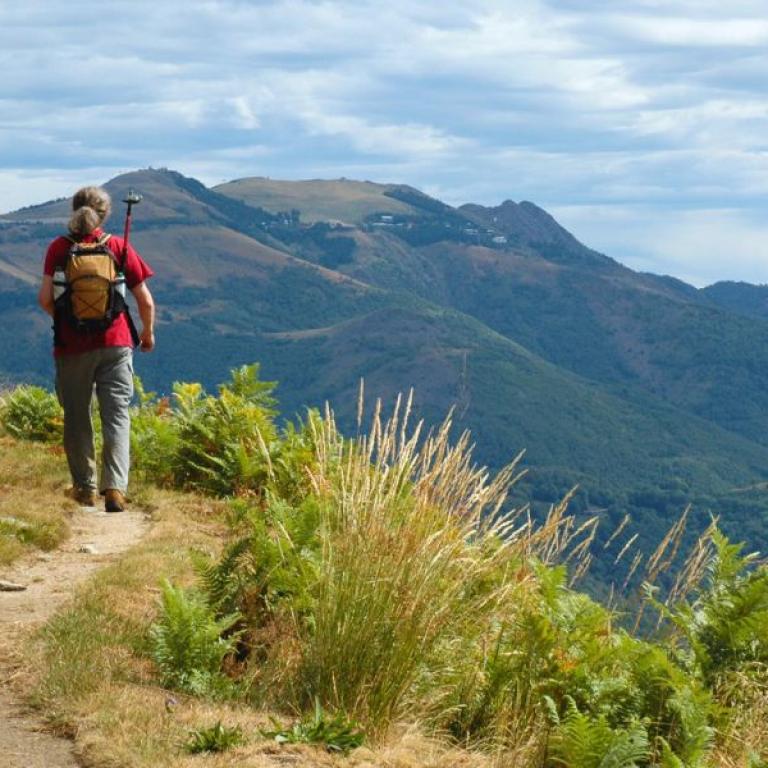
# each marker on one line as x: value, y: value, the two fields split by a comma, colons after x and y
x: 94, y: 339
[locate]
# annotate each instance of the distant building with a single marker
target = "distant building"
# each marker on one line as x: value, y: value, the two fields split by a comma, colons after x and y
x: 500, y: 240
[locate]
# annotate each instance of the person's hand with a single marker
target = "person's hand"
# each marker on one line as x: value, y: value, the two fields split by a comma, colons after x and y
x: 147, y: 339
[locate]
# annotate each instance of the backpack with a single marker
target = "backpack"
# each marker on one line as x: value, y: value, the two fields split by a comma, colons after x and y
x: 90, y: 291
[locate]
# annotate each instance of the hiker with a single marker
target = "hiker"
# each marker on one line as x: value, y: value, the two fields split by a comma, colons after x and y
x: 94, y: 337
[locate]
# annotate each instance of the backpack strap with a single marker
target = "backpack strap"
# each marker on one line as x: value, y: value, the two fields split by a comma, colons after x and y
x: 103, y: 240
x: 57, y: 320
x: 132, y: 328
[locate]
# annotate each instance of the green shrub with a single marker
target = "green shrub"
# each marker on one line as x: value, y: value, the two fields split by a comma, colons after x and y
x: 336, y: 734
x: 222, y: 441
x: 347, y: 595
x: 292, y: 459
x: 154, y: 437
x: 188, y: 644
x: 582, y: 742
x: 32, y: 413
x: 215, y: 738
x: 725, y: 627
x: 271, y: 560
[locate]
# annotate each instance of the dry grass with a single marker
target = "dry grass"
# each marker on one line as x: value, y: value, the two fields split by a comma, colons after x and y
x: 34, y: 514
x: 409, y: 525
x: 743, y: 738
x: 89, y: 674
x: 129, y: 726
x: 418, y: 554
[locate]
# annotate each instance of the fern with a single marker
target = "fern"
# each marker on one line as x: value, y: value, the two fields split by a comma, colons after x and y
x: 222, y: 439
x: 582, y: 742
x: 188, y: 644
x: 32, y: 413
x: 270, y: 560
x: 726, y: 626
x: 223, y: 582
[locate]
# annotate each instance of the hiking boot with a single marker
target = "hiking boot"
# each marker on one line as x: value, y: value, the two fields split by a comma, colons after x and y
x: 114, y: 501
x: 86, y: 497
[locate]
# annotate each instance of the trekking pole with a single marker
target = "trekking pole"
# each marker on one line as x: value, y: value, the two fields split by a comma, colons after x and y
x: 133, y: 198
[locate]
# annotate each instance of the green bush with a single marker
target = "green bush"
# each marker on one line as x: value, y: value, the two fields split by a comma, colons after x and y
x: 583, y: 742
x: 32, y: 413
x: 215, y: 738
x: 271, y: 561
x: 725, y: 627
x: 224, y: 445
x: 154, y: 437
x: 336, y: 734
x: 222, y: 441
x: 188, y: 645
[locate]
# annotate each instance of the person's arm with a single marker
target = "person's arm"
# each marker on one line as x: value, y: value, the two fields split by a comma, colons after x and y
x: 146, y: 305
x: 45, y: 295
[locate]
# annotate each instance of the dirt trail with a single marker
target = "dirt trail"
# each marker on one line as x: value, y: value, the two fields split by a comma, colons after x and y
x: 50, y: 580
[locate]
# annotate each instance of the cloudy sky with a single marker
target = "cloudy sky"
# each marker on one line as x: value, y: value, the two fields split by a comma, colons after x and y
x: 641, y: 124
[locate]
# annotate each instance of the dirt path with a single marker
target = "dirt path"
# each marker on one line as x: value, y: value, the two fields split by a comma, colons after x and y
x: 50, y: 580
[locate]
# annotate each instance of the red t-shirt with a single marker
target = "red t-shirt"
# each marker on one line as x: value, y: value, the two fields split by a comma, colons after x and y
x: 119, y: 333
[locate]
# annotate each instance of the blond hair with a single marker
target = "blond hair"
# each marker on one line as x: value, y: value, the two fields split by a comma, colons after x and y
x: 91, y: 206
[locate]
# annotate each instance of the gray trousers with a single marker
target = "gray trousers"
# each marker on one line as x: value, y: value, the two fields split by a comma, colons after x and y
x: 110, y: 372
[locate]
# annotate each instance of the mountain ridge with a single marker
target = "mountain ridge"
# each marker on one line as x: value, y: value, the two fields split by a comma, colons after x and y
x: 605, y: 375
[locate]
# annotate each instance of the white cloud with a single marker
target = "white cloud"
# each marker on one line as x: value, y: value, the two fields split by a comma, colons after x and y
x: 33, y: 187
x: 700, y: 246
x: 688, y: 32
x: 641, y: 104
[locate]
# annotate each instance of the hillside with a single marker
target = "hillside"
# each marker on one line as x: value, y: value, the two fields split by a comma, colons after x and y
x: 641, y: 389
x: 342, y: 200
x: 740, y: 298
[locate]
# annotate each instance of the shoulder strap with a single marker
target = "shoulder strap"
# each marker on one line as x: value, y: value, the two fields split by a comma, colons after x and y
x: 119, y: 260
x: 103, y: 240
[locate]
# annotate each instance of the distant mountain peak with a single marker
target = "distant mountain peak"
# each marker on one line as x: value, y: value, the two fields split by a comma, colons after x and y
x: 525, y: 223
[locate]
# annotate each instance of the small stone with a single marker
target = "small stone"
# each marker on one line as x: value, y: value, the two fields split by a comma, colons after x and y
x: 9, y: 586
x: 88, y: 549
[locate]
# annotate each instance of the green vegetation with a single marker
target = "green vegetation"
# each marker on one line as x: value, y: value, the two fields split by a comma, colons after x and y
x: 215, y: 738
x: 588, y: 743
x: 32, y: 413
x: 385, y: 579
x: 336, y: 734
x: 188, y: 644
x: 33, y: 515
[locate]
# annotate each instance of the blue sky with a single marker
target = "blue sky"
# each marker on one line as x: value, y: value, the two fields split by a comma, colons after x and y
x: 642, y: 125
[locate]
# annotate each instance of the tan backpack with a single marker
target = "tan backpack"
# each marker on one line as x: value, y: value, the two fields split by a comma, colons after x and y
x: 91, y: 275
x: 90, y: 290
